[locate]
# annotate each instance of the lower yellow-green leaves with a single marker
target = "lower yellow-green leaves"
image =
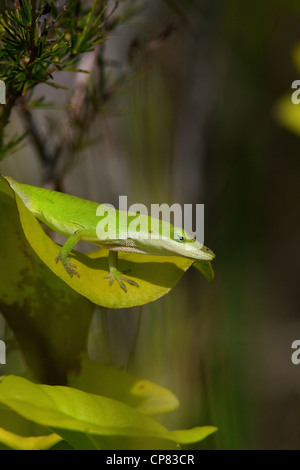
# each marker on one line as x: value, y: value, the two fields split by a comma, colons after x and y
x: 87, y: 421
x: 141, y: 394
x: 155, y: 275
x: 10, y: 440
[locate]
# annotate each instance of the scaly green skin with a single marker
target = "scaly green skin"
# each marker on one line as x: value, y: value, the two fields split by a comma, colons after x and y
x: 77, y: 219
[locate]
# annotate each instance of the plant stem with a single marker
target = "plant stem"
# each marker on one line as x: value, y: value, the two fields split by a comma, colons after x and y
x: 32, y: 30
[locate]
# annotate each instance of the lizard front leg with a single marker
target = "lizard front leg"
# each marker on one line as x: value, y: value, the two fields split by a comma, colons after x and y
x: 65, y: 251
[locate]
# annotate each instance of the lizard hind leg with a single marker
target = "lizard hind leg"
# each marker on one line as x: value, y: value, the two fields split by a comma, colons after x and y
x: 115, y: 274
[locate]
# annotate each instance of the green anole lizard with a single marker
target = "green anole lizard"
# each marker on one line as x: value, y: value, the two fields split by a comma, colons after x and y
x: 78, y: 219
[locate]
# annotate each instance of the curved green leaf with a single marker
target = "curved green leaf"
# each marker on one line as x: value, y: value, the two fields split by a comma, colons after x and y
x: 141, y: 394
x: 89, y: 421
x: 205, y: 268
x: 191, y: 436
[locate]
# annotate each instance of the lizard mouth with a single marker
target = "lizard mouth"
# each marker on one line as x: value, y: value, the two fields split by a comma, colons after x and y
x: 199, y: 252
x: 208, y: 252
x: 203, y: 253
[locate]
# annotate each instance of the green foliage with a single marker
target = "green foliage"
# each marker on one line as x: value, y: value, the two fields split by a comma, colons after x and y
x: 34, y: 45
x: 14, y: 145
x: 87, y: 421
x: 38, y: 39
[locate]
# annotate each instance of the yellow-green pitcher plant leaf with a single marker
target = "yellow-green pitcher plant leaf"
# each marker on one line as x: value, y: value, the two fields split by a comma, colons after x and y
x: 155, y: 275
x: 49, y: 319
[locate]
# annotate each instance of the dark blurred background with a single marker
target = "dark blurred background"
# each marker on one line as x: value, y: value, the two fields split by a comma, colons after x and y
x: 199, y: 122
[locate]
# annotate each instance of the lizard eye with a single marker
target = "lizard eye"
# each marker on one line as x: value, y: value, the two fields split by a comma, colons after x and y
x: 180, y: 238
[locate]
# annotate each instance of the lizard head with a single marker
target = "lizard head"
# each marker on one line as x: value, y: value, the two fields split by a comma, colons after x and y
x: 174, y: 241
x: 182, y: 244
